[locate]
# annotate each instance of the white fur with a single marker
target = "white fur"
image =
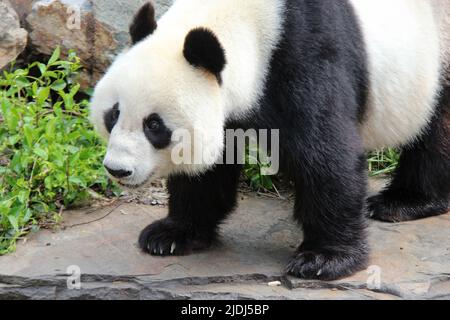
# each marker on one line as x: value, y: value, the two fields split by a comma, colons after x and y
x: 402, y: 40
x: 154, y: 77
x: 441, y: 9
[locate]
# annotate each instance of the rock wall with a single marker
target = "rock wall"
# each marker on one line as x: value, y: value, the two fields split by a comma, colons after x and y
x: 13, y: 39
x: 23, y: 8
x: 96, y: 29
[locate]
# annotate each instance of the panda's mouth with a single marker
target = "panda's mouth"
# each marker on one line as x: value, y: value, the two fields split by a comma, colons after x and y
x: 136, y: 185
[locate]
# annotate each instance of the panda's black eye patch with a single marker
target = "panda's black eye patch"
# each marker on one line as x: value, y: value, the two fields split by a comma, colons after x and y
x: 156, y: 131
x: 111, y: 116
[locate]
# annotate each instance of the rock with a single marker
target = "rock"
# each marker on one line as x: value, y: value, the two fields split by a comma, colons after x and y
x: 96, y: 30
x: 13, y: 39
x: 23, y: 8
x: 409, y: 260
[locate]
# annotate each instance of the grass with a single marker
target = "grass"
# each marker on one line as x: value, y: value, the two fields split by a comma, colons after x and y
x: 50, y: 156
x: 253, y: 169
x: 382, y: 162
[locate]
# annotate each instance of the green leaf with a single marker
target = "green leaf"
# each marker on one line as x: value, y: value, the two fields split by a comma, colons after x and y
x: 58, y: 85
x: 22, y: 81
x: 14, y: 222
x: 27, y: 216
x: 50, y: 128
x: 77, y: 181
x: 34, y: 88
x: 41, y: 153
x: 74, y: 90
x: 72, y: 149
x: 42, y: 95
x: 267, y: 182
x: 42, y: 68
x: 21, y: 72
x: 15, y: 163
x: 11, y: 116
x: 55, y: 56
x: 28, y: 132
x: 51, y: 74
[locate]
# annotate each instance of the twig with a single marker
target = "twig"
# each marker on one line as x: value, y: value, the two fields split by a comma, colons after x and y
x: 95, y: 220
x: 278, y: 193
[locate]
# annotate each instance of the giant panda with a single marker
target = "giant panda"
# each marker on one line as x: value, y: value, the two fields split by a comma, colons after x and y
x: 337, y: 78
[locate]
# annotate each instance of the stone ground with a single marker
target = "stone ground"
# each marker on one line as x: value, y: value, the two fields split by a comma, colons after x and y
x: 411, y: 260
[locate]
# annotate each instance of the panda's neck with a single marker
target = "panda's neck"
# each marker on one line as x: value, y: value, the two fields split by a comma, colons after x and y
x: 248, y: 31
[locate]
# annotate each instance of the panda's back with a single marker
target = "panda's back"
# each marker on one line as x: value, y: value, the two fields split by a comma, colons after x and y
x: 404, y: 65
x: 407, y: 44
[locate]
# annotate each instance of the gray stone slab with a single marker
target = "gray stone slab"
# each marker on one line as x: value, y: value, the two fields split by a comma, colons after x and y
x: 412, y: 260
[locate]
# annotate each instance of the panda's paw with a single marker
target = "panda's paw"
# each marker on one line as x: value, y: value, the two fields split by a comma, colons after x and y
x: 392, y: 209
x: 327, y: 264
x: 167, y: 237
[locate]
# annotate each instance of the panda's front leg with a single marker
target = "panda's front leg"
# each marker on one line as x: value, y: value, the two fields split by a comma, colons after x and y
x: 330, y: 187
x: 197, y: 205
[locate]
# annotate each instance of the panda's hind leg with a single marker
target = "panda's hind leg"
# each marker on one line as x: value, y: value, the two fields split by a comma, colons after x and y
x: 421, y: 184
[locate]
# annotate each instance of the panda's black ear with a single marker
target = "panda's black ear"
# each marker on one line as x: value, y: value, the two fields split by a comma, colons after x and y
x: 203, y: 49
x: 143, y: 24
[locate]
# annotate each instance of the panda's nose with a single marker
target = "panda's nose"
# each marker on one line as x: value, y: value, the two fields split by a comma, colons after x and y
x: 118, y: 173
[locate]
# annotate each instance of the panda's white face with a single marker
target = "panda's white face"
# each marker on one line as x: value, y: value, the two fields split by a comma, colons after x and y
x: 148, y: 95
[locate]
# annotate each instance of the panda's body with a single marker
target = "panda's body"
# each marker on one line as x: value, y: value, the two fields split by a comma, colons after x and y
x: 401, y: 39
x: 335, y: 77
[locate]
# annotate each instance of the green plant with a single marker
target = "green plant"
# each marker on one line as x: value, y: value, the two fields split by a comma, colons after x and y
x: 383, y: 161
x: 50, y: 156
x: 379, y: 162
x: 254, y: 168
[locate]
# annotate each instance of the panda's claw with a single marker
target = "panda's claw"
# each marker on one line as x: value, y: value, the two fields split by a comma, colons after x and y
x: 327, y: 264
x: 168, y: 237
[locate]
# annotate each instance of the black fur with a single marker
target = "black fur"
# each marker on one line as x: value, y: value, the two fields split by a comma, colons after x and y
x: 159, y: 136
x: 111, y: 116
x: 421, y: 184
x: 316, y: 94
x: 144, y: 23
x: 196, y: 207
x: 203, y: 49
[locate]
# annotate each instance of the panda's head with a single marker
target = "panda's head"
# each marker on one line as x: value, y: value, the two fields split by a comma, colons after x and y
x: 168, y: 84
